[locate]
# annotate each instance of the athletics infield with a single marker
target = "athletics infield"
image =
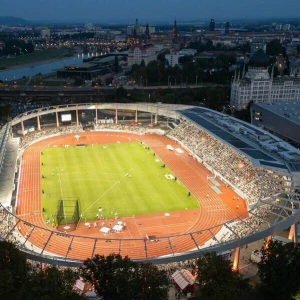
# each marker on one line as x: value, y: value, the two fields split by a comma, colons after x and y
x: 214, y: 209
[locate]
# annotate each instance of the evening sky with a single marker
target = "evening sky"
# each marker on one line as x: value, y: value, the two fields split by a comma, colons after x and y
x: 100, y: 11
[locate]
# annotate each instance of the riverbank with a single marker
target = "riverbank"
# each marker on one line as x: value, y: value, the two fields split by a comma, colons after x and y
x: 37, y: 58
x: 46, y: 66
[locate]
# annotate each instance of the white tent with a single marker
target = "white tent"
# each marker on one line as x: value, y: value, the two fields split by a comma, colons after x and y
x: 117, y: 228
x: 178, y: 150
x: 105, y: 230
x: 169, y: 147
x: 183, y: 278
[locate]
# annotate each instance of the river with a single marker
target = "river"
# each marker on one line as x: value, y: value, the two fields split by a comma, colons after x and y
x: 43, y: 68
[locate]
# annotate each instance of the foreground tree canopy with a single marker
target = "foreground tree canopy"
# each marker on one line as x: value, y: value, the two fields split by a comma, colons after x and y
x: 217, y: 280
x: 51, y: 284
x: 115, y: 277
x: 19, y: 281
x: 279, y: 271
x: 13, y: 270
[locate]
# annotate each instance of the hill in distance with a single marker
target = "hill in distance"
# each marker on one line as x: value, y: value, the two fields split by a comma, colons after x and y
x: 7, y: 20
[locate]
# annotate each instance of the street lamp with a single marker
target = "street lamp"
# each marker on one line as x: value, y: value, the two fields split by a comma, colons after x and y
x: 168, y: 80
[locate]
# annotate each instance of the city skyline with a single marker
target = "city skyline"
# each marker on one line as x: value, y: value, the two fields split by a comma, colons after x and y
x: 101, y: 11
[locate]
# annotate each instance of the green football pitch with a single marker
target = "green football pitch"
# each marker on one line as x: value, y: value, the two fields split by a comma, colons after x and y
x: 123, y: 178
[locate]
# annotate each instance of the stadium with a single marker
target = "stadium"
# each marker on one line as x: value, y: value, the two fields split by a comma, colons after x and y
x: 228, y: 183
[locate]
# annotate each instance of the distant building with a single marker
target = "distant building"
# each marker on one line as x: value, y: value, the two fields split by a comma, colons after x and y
x: 187, y: 51
x: 258, y: 86
x: 138, y: 53
x: 45, y: 33
x: 214, y: 54
x: 147, y: 31
x: 120, y: 38
x: 137, y: 29
x: 227, y: 25
x: 295, y: 66
x: 175, y: 33
x: 158, y: 47
x: 286, y: 27
x: 172, y: 59
x: 212, y: 24
x: 281, y: 119
x: 88, y: 71
x: 278, y: 27
x: 89, y: 26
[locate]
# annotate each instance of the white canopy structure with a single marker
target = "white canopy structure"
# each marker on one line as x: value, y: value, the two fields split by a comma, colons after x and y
x: 117, y: 228
x: 178, y: 150
x: 105, y: 230
x: 183, y: 278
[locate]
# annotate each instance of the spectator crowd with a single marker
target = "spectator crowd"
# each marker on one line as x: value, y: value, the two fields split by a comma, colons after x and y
x: 236, y: 168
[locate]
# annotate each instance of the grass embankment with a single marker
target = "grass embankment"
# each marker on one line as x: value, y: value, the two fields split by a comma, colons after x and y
x: 39, y: 81
x: 35, y: 57
x: 124, y: 177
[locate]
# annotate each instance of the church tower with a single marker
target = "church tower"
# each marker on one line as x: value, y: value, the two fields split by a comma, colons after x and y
x: 175, y: 34
x: 212, y: 24
x: 147, y: 31
x: 227, y: 28
x: 136, y: 29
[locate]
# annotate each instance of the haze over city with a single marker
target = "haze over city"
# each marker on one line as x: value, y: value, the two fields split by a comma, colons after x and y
x: 154, y: 11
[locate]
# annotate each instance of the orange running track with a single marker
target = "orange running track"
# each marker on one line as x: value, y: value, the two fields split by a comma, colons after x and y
x: 214, y: 209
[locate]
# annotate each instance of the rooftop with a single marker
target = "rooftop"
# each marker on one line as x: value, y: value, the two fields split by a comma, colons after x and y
x: 287, y: 110
x: 261, y: 147
x: 259, y: 59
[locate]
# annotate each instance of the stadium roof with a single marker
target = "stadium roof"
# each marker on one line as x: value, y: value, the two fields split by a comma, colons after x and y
x: 224, y: 128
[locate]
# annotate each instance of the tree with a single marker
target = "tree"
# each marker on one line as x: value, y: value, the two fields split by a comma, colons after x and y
x: 161, y: 56
x: 186, y: 58
x: 142, y: 63
x: 275, y: 48
x: 115, y: 277
x: 245, y: 48
x: 216, y: 97
x: 244, y: 114
x: 209, y: 46
x: 109, y: 80
x: 217, y: 280
x: 97, y: 82
x: 121, y: 94
x: 150, y: 283
x: 51, y: 284
x: 78, y: 81
x: 14, y: 268
x: 279, y: 270
x: 5, y: 110
x: 196, y: 45
x: 116, y: 64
